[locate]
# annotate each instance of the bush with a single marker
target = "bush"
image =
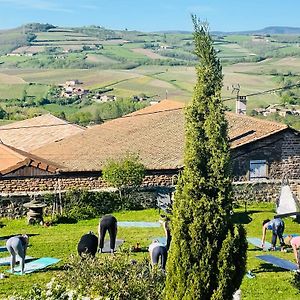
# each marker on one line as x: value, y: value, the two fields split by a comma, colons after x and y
x: 109, y: 277
x: 80, y: 204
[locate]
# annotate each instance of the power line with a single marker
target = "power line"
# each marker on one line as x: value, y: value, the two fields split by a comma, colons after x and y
x: 265, y: 92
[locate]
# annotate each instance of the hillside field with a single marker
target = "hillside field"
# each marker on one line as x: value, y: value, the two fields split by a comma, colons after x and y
x: 131, y: 63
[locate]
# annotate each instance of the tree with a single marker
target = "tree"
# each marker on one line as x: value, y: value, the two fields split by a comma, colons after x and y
x: 125, y: 174
x: 208, y: 252
x: 3, y: 113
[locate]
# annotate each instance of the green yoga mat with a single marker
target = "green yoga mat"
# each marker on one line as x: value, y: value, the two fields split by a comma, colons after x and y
x: 36, y: 265
x: 5, y: 261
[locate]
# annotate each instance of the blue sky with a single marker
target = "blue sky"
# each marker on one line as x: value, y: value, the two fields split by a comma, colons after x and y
x: 144, y: 15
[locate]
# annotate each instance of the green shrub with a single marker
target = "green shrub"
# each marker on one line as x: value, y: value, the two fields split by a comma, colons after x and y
x: 106, y: 277
x: 81, y: 204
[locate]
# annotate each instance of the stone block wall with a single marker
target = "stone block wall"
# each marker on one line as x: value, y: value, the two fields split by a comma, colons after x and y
x: 263, y: 191
x: 267, y: 191
x: 291, y: 155
x: 281, y: 151
x: 36, y: 185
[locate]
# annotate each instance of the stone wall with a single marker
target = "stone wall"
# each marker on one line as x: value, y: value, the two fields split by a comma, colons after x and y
x: 291, y: 155
x: 263, y: 191
x: 12, y: 206
x: 266, y: 191
x: 37, y: 185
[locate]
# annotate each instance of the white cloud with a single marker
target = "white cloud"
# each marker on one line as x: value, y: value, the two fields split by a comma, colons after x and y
x: 38, y: 4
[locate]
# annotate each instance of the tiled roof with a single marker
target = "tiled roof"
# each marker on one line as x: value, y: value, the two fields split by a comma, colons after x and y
x: 33, y: 133
x: 245, y: 129
x: 12, y: 159
x: 156, y: 133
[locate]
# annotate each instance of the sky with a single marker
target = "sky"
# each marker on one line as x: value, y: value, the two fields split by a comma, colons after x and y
x: 154, y: 15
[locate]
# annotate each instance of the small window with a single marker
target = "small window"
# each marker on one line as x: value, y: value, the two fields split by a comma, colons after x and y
x: 258, y: 169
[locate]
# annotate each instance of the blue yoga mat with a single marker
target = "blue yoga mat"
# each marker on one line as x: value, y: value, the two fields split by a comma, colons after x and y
x: 160, y: 239
x: 292, y: 234
x: 5, y: 261
x: 3, y: 249
x: 36, y: 265
x: 139, y: 224
x: 257, y: 243
x: 106, y: 248
x: 278, y: 262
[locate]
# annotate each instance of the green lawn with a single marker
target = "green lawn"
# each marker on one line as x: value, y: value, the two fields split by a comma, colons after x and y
x: 60, y: 241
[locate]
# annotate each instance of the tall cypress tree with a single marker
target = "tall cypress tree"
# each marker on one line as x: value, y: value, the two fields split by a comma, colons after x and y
x: 208, y: 252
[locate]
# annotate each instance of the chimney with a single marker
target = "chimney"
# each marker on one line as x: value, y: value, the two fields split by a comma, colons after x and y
x: 241, y: 105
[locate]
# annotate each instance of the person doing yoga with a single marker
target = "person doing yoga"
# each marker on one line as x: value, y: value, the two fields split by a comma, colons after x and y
x: 108, y: 223
x: 277, y: 227
x: 158, y: 251
x: 17, y: 245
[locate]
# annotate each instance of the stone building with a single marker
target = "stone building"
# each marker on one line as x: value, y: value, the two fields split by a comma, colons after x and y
x: 262, y: 153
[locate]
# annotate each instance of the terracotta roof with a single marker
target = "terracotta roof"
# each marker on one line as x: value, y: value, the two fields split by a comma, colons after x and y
x: 33, y: 133
x: 12, y: 159
x: 245, y: 129
x: 155, y: 132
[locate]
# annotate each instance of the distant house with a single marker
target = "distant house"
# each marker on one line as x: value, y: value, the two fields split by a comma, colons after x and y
x: 72, y: 82
x: 71, y: 91
x: 13, y: 54
x: 107, y: 98
x: 166, y: 47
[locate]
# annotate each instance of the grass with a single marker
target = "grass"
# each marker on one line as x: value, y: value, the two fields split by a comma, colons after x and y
x: 60, y: 241
x: 9, y: 91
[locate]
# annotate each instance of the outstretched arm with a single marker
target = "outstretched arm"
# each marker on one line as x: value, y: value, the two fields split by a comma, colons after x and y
x: 295, y: 253
x: 263, y: 236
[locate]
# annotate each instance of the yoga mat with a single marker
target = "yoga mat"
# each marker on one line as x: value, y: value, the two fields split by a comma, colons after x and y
x: 138, y: 224
x: 6, y: 237
x: 292, y: 234
x: 161, y: 239
x: 5, y: 261
x: 106, y: 248
x: 278, y: 262
x: 36, y: 265
x: 3, y: 248
x: 257, y: 243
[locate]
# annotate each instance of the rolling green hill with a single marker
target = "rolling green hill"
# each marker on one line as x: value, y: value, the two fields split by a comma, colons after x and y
x: 36, y: 57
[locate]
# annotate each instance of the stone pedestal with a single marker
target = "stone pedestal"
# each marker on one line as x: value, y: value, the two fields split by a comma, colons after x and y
x: 35, y: 212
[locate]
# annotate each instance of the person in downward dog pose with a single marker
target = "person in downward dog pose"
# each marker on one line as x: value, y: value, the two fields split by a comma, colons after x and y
x: 158, y: 251
x: 17, y: 245
x: 277, y: 227
x: 295, y: 243
x: 88, y: 244
x: 108, y: 223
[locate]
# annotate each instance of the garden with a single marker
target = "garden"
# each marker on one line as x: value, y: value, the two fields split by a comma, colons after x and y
x: 60, y: 241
